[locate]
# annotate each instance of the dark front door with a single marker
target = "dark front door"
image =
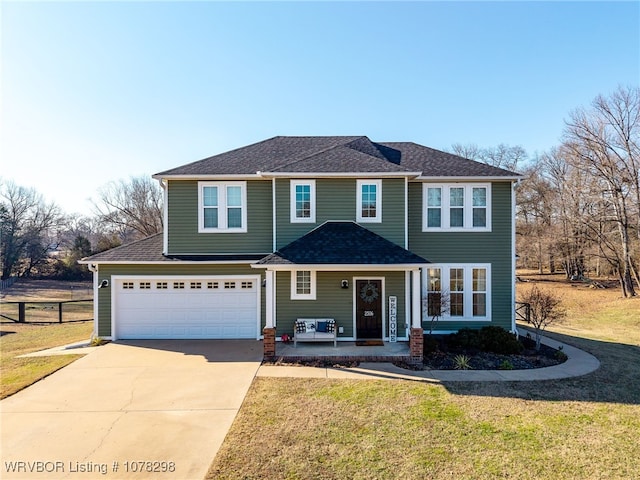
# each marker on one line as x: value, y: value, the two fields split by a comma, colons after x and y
x: 368, y: 309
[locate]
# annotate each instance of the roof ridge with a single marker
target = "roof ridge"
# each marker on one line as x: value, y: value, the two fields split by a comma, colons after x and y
x: 298, y: 160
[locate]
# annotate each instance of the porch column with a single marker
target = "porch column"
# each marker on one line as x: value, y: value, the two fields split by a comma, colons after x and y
x: 416, y: 300
x: 416, y: 335
x: 269, y: 331
x: 269, y: 317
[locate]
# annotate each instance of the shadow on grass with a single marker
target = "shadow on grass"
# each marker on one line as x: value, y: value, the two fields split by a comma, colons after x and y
x: 616, y: 381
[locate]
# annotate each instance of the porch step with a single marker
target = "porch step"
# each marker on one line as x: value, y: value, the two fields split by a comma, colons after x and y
x: 345, y: 352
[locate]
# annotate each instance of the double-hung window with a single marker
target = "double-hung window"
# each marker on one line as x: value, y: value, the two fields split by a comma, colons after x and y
x: 369, y: 201
x: 303, y: 285
x: 222, y: 207
x: 456, y: 207
x: 457, y: 292
x: 303, y: 201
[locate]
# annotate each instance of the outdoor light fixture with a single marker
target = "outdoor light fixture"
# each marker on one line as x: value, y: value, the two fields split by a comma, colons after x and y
x: 344, y: 284
x: 104, y: 284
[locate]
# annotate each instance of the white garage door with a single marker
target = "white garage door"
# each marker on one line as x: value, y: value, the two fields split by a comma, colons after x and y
x: 186, y: 307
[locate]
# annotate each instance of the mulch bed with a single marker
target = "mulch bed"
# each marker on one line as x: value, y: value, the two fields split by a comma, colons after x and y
x: 444, y: 358
x: 546, y: 357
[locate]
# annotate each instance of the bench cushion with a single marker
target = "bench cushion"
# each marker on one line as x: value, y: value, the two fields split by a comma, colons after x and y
x: 304, y: 335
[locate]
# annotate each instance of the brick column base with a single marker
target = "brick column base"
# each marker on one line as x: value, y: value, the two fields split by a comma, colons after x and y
x: 416, y: 345
x: 269, y: 343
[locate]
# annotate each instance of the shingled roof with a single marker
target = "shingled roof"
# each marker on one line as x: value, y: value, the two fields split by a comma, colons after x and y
x: 341, y: 243
x: 356, y: 154
x: 149, y: 250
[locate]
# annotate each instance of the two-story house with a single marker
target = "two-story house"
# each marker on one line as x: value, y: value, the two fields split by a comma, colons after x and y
x: 362, y: 232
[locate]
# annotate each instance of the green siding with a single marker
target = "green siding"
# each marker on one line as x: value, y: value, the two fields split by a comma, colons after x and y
x: 332, y: 301
x: 106, y: 271
x: 336, y: 200
x: 493, y: 247
x: 183, y: 222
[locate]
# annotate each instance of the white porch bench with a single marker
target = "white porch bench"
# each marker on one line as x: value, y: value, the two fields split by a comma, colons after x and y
x: 315, y: 330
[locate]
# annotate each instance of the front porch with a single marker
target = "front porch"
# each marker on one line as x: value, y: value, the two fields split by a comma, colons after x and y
x: 344, y: 352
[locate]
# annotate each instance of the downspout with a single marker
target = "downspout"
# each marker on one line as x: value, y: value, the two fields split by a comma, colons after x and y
x: 273, y: 209
x: 94, y: 269
x: 165, y: 215
x: 514, y: 186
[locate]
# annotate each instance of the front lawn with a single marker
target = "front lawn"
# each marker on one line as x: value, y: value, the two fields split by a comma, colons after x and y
x: 577, y: 428
x: 20, y: 338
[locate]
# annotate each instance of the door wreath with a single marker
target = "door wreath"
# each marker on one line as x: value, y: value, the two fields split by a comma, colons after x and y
x: 369, y: 292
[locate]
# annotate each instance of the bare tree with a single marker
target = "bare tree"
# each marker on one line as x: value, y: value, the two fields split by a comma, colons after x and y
x: 502, y: 156
x: 29, y: 228
x: 545, y: 309
x: 131, y: 208
x: 535, y: 198
x: 603, y: 143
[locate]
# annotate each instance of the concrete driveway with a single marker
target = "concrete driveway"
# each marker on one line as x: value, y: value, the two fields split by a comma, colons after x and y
x: 143, y: 409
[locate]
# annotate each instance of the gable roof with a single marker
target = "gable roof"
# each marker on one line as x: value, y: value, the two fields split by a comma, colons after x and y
x: 335, y: 155
x: 341, y: 243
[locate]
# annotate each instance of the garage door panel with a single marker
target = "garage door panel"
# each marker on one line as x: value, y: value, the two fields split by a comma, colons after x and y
x: 176, y: 307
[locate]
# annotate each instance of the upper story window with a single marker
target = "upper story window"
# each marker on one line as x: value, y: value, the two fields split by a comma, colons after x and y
x: 456, y: 207
x: 369, y: 201
x: 222, y: 207
x: 303, y: 201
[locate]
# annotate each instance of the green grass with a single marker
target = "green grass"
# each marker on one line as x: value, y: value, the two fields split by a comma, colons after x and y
x: 21, y: 338
x: 577, y: 428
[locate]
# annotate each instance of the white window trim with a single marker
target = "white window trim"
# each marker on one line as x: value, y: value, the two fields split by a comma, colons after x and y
x: 294, y: 293
x: 445, y: 207
x: 378, y: 217
x: 468, y: 291
x: 312, y: 189
x: 222, y: 207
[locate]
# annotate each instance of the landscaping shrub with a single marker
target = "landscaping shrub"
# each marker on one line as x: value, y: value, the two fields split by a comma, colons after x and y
x: 487, y: 339
x: 430, y: 345
x: 465, y: 338
x: 498, y: 340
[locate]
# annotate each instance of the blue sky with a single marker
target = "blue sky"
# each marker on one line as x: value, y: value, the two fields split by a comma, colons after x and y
x: 99, y: 91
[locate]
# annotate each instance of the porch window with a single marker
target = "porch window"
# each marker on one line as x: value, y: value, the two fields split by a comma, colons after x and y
x: 479, y: 290
x: 434, y: 292
x: 369, y: 201
x: 303, y: 285
x: 222, y: 207
x: 464, y: 288
x: 303, y: 201
x: 456, y: 292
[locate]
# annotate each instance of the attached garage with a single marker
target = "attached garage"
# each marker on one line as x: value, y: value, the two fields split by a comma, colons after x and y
x: 185, y: 307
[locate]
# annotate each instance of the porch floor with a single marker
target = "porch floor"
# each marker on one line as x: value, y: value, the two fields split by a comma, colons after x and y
x: 345, y: 351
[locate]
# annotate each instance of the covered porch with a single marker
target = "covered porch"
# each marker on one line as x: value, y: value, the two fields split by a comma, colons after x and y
x: 343, y: 275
